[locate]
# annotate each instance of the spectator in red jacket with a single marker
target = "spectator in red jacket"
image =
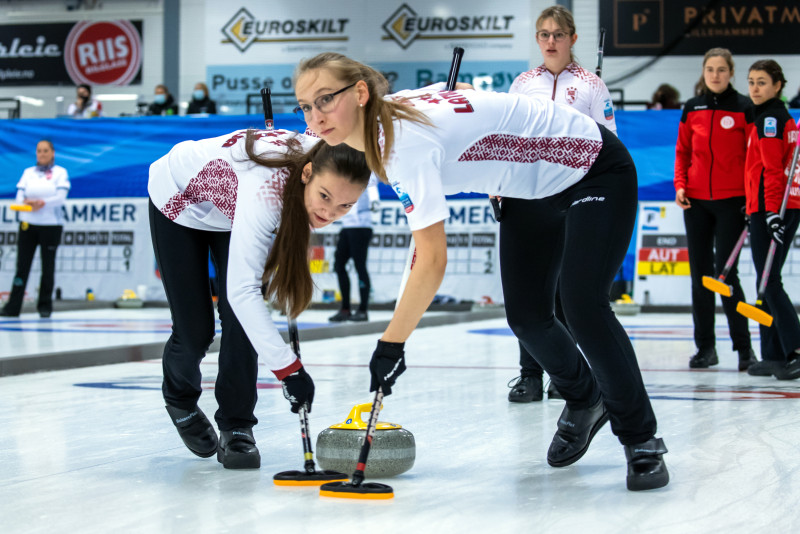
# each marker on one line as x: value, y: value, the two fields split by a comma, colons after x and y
x: 709, y: 187
x: 769, y: 155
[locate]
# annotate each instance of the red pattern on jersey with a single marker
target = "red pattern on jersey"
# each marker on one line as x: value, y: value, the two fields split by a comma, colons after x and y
x: 579, y: 72
x: 216, y: 183
x: 271, y: 191
x: 568, y: 151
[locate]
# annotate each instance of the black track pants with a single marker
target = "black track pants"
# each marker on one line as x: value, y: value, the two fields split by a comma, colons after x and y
x: 353, y: 243
x: 581, y: 235
x: 712, y: 229
x: 182, y: 258
x: 783, y: 337
x: 47, y: 239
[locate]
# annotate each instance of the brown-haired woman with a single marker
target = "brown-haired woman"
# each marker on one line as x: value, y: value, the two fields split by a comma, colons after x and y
x: 249, y: 199
x: 709, y: 187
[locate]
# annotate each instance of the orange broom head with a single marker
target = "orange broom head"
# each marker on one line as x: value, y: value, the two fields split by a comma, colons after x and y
x: 21, y: 207
x: 752, y: 312
x: 717, y: 286
x: 367, y: 490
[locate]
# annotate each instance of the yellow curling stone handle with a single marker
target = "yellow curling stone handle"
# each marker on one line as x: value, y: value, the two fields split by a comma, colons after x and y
x: 354, y: 421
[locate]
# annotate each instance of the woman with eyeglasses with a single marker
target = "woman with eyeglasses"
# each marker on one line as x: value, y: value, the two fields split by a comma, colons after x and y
x: 249, y: 198
x: 560, y: 79
x: 569, y: 189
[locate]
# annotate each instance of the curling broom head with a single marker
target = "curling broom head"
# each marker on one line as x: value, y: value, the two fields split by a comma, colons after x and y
x: 20, y: 207
x: 752, y: 312
x: 303, y: 478
x: 717, y: 286
x: 347, y: 490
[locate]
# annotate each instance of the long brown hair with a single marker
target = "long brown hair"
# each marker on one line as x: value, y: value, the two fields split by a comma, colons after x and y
x: 287, y: 278
x: 377, y: 109
x: 701, y: 87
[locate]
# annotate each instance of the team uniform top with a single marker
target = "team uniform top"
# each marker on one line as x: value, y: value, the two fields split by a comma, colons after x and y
x: 211, y: 185
x: 575, y: 87
x: 360, y: 215
x: 51, y: 184
x: 712, y: 143
x: 769, y: 154
x: 501, y: 144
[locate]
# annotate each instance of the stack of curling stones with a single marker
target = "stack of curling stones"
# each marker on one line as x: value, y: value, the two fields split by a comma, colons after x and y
x: 392, y: 452
x: 129, y: 299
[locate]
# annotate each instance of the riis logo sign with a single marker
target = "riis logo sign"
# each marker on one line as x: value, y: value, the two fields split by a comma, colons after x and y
x: 405, y: 26
x: 243, y: 29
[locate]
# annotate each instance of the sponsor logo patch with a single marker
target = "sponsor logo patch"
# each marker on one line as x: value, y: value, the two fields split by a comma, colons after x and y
x: 608, y: 110
x: 408, y: 205
x: 727, y: 122
x: 770, y: 127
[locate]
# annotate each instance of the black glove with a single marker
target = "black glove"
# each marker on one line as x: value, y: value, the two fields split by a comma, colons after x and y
x: 775, y: 226
x: 298, y: 388
x: 387, y: 363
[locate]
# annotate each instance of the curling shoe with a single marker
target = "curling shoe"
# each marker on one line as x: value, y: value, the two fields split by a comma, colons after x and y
x: 340, y: 316
x: 746, y: 358
x: 526, y: 389
x: 704, y: 359
x: 791, y: 371
x: 195, y: 430
x: 359, y: 317
x: 237, y: 449
x: 764, y: 368
x: 576, y: 428
x: 646, y: 467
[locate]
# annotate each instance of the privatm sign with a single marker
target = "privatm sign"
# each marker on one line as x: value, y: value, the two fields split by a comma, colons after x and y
x: 663, y: 255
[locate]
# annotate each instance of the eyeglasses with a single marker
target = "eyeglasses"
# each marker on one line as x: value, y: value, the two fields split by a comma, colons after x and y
x: 544, y: 36
x: 324, y: 103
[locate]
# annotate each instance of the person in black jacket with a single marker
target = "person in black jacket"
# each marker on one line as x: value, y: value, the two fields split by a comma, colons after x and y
x: 200, y: 102
x: 709, y: 187
x: 163, y: 103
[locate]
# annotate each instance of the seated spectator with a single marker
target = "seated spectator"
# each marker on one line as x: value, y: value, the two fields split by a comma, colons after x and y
x: 200, y: 102
x: 665, y: 97
x: 85, y: 106
x: 163, y: 103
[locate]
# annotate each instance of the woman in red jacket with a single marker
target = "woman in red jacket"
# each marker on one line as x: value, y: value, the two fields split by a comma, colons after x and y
x: 769, y: 155
x: 709, y: 187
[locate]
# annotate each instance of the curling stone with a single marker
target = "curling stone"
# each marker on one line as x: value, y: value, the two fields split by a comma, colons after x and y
x: 625, y: 306
x: 128, y: 300
x: 392, y: 452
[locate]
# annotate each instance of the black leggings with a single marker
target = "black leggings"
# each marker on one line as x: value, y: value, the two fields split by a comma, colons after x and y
x: 783, y: 337
x: 182, y: 259
x: 47, y: 239
x: 353, y: 243
x: 712, y: 228
x: 580, y: 235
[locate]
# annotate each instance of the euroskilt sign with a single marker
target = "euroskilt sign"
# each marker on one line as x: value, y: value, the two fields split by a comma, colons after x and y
x: 405, y: 26
x: 96, y: 53
x: 243, y: 29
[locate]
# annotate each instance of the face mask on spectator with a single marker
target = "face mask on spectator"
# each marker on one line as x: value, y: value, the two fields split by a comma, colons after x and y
x: 160, y: 98
x: 199, y: 94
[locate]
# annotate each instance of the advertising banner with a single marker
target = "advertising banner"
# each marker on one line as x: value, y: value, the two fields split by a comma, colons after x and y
x: 691, y: 27
x: 410, y: 42
x: 90, y: 52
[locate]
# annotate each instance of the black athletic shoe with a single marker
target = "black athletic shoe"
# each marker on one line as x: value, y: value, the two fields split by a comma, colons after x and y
x: 552, y: 392
x: 340, y: 317
x: 764, y: 368
x: 237, y: 449
x: 646, y: 467
x: 791, y: 371
x: 704, y: 359
x: 525, y: 389
x: 195, y: 429
x: 45, y: 314
x: 359, y: 317
x: 4, y: 313
x: 576, y: 428
x: 746, y: 358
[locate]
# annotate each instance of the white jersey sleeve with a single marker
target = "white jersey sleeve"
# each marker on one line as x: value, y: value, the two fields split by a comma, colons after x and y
x: 258, y: 210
